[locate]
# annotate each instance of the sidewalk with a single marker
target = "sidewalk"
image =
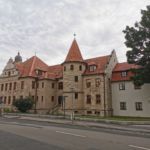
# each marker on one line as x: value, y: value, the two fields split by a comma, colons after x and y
x: 143, y: 129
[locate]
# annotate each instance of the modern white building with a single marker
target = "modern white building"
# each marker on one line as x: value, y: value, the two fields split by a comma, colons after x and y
x: 128, y: 99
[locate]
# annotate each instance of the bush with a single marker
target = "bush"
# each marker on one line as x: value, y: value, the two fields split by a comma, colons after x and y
x: 23, y: 105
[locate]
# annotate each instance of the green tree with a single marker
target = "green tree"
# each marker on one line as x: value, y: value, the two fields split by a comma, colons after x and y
x: 23, y: 104
x: 138, y: 42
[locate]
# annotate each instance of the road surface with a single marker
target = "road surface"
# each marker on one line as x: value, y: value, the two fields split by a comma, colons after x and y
x: 32, y: 135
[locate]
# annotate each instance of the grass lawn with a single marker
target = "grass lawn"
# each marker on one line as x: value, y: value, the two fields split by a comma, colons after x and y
x: 117, y: 118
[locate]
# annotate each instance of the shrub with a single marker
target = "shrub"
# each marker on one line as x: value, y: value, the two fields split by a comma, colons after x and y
x: 24, y: 104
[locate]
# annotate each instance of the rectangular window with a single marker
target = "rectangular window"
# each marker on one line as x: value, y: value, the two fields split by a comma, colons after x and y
x: 60, y: 85
x: 21, y: 97
x: 80, y: 67
x: 76, y: 78
x: 76, y: 95
x: 122, y: 86
x: 14, y: 98
x: 22, y: 84
x: 88, y: 99
x: 88, y: 83
x: 15, y: 84
x: 123, y: 106
x: 89, y: 112
x: 10, y: 86
x: 6, y: 85
x: 97, y: 82
x: 5, y: 100
x: 53, y: 85
x: 42, y: 84
x: 52, y: 98
x: 98, y: 99
x: 64, y: 68
x: 124, y: 74
x: 2, y: 87
x: 9, y: 100
x: 42, y: 98
x: 92, y: 68
x: 71, y: 67
x: 137, y: 87
x: 33, y: 98
x: 33, y: 84
x: 138, y: 106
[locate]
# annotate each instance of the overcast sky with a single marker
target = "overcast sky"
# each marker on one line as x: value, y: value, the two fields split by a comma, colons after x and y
x: 47, y: 26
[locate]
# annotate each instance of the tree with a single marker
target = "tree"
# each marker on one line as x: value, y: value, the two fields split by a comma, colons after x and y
x: 138, y: 42
x: 23, y: 104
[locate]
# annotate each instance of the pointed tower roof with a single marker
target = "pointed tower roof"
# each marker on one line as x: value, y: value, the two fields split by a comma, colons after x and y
x: 74, y: 53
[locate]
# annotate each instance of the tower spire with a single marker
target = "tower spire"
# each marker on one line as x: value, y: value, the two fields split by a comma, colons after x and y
x: 74, y: 53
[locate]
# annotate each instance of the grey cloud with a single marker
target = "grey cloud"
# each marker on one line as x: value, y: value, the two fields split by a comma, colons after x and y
x: 47, y: 27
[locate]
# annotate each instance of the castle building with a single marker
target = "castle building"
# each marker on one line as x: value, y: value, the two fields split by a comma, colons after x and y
x: 78, y: 85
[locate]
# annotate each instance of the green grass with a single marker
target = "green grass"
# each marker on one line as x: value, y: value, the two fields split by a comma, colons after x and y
x: 117, y: 118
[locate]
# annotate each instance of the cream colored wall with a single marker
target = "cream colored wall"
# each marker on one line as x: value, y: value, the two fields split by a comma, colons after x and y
x: 130, y: 96
x: 93, y: 90
x: 68, y: 81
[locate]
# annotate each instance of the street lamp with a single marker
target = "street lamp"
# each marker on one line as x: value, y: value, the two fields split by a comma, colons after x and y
x: 64, y: 102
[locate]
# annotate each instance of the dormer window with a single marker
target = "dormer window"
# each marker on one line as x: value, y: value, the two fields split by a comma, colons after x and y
x: 92, y: 68
x: 124, y: 73
x: 38, y: 72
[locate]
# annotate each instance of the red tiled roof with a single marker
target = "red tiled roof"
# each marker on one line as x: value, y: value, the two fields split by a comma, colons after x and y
x: 74, y: 53
x: 28, y: 67
x: 100, y: 63
x: 125, y: 66
x: 120, y: 67
x: 56, y: 70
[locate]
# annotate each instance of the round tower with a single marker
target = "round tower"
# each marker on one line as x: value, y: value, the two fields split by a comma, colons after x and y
x: 73, y: 69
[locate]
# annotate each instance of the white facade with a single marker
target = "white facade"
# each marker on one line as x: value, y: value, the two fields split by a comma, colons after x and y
x: 131, y: 97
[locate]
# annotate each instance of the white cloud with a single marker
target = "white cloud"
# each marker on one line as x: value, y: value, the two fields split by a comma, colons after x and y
x: 47, y: 27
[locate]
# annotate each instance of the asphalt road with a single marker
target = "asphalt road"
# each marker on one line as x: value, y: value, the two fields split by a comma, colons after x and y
x: 30, y: 135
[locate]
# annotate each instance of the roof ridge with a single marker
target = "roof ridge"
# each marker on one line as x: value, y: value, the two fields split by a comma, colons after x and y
x: 96, y: 57
x: 32, y: 66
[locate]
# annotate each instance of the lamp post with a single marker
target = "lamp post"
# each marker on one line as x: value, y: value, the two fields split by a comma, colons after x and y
x: 72, y: 114
x: 64, y: 102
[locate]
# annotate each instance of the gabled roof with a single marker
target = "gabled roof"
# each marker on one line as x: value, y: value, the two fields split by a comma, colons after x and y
x: 125, y: 66
x: 28, y: 67
x: 121, y: 67
x: 99, y: 62
x: 74, y: 53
